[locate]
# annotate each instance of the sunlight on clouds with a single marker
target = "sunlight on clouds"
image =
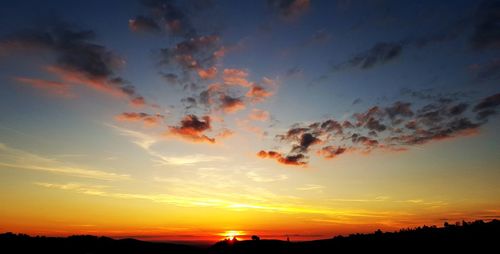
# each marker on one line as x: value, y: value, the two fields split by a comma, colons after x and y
x: 14, y: 158
x: 254, y: 176
x: 146, y: 141
x: 190, y: 201
x: 191, y: 159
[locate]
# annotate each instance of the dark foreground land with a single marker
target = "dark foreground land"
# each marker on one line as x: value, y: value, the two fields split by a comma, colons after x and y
x: 473, y: 237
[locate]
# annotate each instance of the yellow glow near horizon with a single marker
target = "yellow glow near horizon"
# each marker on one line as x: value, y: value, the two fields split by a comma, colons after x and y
x: 232, y: 233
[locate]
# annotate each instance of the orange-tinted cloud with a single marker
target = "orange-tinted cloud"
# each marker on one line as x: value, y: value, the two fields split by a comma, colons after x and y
x: 394, y: 128
x: 51, y: 87
x: 192, y: 128
x: 231, y: 104
x: 259, y: 115
x: 114, y: 87
x: 245, y: 125
x: 258, y: 93
x: 294, y: 160
x: 147, y: 119
x: 78, y: 60
x: 208, y: 73
x: 236, y: 77
x: 330, y: 152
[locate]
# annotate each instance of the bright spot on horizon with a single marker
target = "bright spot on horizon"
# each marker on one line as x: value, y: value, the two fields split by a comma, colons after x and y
x: 233, y: 233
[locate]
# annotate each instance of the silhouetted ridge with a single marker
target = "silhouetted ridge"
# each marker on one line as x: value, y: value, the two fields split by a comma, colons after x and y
x: 87, y: 244
x: 473, y: 237
x: 476, y: 237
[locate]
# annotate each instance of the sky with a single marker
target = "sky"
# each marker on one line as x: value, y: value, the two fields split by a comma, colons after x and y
x: 197, y: 120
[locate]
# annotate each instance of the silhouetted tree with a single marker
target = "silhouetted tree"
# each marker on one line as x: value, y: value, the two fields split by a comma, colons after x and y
x: 255, y: 238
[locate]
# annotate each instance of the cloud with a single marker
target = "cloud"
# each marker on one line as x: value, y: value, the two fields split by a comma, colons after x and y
x: 399, y: 109
x: 231, y: 104
x: 143, y: 140
x: 144, y: 24
x: 258, y: 93
x: 256, y: 177
x: 295, y: 160
x: 192, y: 128
x: 191, y: 159
x: 209, y: 73
x: 189, y: 102
x: 289, y: 8
x: 294, y: 71
x: 487, y: 71
x: 387, y: 51
x: 12, y: 158
x: 396, y: 127
x: 147, y: 119
x: 380, y: 53
x: 196, y: 54
x: 259, y: 115
x: 487, y: 107
x: 306, y: 140
x: 486, y: 33
x: 51, y: 87
x: 78, y: 60
x: 163, y: 14
x: 247, y: 126
x: 146, y: 142
x: 236, y: 77
x: 311, y: 187
x: 330, y: 152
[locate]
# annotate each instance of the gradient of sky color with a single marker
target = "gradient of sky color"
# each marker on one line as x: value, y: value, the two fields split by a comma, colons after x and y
x: 78, y: 157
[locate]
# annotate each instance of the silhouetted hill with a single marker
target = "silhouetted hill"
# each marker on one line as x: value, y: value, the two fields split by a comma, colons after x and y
x: 87, y: 244
x: 474, y: 237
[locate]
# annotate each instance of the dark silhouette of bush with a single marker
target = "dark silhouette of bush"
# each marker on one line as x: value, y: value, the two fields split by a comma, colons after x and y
x: 474, y: 237
x: 255, y: 238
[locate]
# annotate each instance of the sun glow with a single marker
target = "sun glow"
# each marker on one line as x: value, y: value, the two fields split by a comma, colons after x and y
x: 232, y: 234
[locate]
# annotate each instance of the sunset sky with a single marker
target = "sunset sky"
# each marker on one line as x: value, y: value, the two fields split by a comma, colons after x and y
x: 195, y: 120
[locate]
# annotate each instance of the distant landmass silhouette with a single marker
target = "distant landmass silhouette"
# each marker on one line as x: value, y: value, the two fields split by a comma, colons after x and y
x: 475, y: 237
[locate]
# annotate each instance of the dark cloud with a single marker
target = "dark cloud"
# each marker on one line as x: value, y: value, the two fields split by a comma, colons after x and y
x: 384, y: 52
x: 258, y: 93
x: 399, y: 109
x: 289, y: 8
x: 231, y: 104
x: 171, y: 78
x: 166, y: 14
x: 375, y: 125
x: 458, y: 109
x: 487, y: 107
x: 189, y: 102
x: 306, y: 140
x: 194, y: 55
x: 331, y: 126
x: 487, y: 71
x: 144, y: 24
x: 293, y: 71
x: 486, y: 33
x: 395, y: 128
x: 78, y: 60
x: 294, y: 160
x: 330, y: 152
x: 192, y: 129
x: 380, y: 53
